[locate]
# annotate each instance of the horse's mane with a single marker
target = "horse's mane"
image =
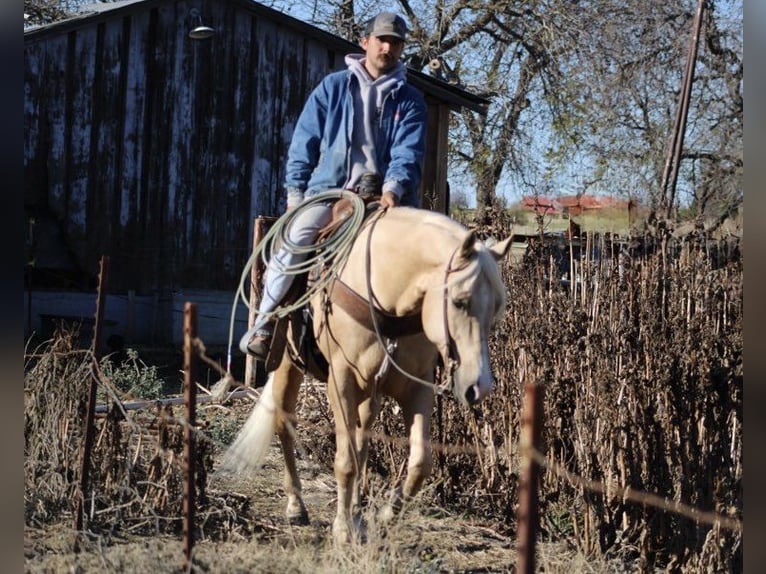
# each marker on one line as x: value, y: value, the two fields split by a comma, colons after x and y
x: 435, y: 219
x: 458, y: 231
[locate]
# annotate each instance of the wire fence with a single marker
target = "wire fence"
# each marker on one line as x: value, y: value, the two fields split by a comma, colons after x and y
x: 700, y: 302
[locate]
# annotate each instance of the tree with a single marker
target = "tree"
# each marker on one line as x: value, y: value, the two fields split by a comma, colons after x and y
x: 622, y: 104
x: 717, y: 153
x: 38, y: 12
x: 583, y: 92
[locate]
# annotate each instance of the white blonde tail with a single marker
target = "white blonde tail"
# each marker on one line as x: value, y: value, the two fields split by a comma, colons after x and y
x: 249, y: 449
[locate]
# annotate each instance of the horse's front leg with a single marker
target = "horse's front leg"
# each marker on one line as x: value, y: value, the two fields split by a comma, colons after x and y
x: 368, y: 412
x: 287, y: 381
x: 342, y: 394
x: 416, y: 405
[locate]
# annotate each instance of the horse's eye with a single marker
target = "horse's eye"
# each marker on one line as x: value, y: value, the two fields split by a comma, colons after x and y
x: 463, y: 303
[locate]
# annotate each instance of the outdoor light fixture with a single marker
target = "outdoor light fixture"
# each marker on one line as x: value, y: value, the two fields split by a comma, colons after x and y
x: 200, y: 31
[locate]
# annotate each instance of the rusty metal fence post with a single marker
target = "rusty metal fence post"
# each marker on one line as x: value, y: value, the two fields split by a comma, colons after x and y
x: 527, y: 517
x: 190, y: 400
x: 88, y: 431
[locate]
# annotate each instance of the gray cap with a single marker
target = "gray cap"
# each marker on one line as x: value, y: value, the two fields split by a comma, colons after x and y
x: 386, y: 24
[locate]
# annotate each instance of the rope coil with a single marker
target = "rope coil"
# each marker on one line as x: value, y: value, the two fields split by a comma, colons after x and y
x: 331, y: 253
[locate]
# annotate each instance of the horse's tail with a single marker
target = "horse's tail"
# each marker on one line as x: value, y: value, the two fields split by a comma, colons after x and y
x: 249, y: 449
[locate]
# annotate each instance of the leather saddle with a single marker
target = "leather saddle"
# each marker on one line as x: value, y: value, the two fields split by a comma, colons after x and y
x: 295, y: 333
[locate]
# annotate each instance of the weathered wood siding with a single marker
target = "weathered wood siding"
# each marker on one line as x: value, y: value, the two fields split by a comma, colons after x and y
x: 159, y: 150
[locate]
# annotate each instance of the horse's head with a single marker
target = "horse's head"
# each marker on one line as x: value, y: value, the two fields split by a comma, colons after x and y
x: 459, y: 315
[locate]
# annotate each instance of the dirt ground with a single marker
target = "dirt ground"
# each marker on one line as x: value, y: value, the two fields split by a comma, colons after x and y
x: 251, y: 534
x: 425, y: 540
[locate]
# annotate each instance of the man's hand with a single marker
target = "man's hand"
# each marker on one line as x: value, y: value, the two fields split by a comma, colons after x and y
x: 388, y: 199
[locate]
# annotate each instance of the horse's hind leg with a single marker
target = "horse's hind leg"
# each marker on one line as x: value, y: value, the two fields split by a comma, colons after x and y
x: 287, y: 381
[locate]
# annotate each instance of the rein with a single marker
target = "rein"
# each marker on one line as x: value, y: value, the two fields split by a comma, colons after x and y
x: 449, y: 355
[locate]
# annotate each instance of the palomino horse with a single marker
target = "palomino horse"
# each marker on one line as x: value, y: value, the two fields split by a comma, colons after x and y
x: 408, y: 263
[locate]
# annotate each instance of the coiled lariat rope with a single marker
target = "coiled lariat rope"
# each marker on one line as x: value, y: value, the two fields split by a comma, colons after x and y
x: 332, y: 253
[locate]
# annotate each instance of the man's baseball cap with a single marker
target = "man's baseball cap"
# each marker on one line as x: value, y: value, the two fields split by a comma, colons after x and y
x: 386, y: 24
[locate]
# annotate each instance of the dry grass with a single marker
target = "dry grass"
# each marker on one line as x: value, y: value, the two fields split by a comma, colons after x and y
x: 240, y: 521
x: 641, y: 365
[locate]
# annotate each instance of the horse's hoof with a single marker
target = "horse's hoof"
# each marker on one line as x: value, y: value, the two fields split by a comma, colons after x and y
x: 299, y: 519
x: 389, y: 511
x: 341, y: 533
x: 296, y: 512
x: 386, y: 514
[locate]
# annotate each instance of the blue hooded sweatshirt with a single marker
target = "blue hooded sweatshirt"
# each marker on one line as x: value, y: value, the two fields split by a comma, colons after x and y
x: 320, y: 154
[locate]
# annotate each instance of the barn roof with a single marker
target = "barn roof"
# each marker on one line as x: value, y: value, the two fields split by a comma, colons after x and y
x: 540, y: 201
x: 452, y: 95
x: 591, y: 201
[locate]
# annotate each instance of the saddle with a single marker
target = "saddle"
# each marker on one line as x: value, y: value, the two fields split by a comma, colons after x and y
x: 342, y: 209
x: 299, y: 339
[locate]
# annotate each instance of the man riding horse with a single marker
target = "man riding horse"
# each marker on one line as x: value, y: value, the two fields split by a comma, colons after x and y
x: 359, y: 126
x: 445, y: 285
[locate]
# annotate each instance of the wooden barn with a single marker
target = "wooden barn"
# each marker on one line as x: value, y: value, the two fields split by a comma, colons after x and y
x: 158, y: 148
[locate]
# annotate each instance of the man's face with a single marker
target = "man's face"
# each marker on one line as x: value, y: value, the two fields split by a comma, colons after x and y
x: 383, y: 52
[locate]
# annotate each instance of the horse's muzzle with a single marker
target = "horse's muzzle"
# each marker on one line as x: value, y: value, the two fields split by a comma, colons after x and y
x: 472, y: 395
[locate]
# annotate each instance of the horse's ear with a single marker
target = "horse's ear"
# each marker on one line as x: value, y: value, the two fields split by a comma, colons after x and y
x: 467, y: 249
x: 500, y: 250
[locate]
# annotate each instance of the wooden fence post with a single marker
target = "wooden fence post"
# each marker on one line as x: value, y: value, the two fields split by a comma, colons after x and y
x: 256, y: 273
x: 254, y: 369
x: 190, y: 399
x: 527, y: 517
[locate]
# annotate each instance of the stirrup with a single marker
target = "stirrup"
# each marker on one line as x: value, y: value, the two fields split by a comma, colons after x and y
x: 248, y: 340
x: 259, y: 347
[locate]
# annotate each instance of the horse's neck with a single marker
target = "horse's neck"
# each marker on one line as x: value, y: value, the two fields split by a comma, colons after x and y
x: 407, y: 257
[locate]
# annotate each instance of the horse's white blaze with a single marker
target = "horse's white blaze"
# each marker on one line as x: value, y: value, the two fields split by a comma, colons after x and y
x: 249, y: 450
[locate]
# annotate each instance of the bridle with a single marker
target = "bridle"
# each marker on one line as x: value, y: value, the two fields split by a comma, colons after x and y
x: 450, y: 356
